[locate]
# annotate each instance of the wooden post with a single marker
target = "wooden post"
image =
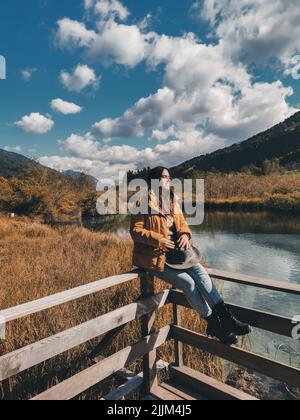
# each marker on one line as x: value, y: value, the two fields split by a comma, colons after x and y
x: 178, y: 344
x: 147, y: 322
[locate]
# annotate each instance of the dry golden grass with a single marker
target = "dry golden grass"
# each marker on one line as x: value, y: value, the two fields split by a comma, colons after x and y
x: 248, y: 186
x: 36, y: 261
x: 240, y: 191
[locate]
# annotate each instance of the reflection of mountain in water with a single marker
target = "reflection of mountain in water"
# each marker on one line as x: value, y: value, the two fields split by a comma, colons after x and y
x: 250, y: 222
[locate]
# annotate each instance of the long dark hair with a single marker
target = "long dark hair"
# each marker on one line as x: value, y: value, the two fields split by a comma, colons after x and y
x: 156, y: 173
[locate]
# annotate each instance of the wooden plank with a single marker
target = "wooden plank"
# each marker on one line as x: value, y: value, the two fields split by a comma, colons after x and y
x: 126, y: 390
x: 178, y: 344
x: 147, y: 322
x: 185, y: 393
x: 133, y: 384
x: 162, y: 394
x: 48, y: 302
x: 27, y: 357
x: 210, y: 387
x: 174, y: 392
x: 278, y: 286
x: 263, y: 320
x: 268, y: 367
x: 92, y: 376
x: 258, y: 319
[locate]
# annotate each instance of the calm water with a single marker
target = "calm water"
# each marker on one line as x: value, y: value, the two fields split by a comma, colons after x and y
x: 258, y: 244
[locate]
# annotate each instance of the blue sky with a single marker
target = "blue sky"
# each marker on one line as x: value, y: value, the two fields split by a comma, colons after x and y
x: 142, y: 82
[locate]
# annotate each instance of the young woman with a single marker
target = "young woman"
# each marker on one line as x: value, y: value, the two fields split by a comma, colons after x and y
x: 157, y: 235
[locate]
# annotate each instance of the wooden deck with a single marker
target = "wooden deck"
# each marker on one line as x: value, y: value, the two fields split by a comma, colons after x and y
x: 184, y: 383
x: 187, y: 384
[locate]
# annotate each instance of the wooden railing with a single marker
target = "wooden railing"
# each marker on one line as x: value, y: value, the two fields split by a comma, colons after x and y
x: 111, y: 324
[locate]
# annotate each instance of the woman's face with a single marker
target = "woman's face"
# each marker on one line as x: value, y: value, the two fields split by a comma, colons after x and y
x: 166, y: 180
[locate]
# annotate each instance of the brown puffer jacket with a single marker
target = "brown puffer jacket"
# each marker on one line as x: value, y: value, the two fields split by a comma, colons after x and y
x: 148, y: 229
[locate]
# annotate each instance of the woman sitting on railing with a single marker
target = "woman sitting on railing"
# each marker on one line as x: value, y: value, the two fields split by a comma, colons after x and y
x: 163, y: 246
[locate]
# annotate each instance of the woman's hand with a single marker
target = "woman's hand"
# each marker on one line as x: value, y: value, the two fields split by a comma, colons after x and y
x: 166, y: 244
x: 184, y: 242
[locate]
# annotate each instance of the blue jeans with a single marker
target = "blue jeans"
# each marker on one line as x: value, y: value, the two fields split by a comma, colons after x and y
x: 197, y: 286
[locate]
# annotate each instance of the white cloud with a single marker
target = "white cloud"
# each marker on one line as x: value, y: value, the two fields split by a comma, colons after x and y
x: 103, y: 160
x: 260, y: 106
x: 112, y: 41
x: 81, y: 77
x: 95, y: 168
x: 256, y: 30
x: 63, y: 107
x: 27, y: 74
x: 162, y: 135
x: 120, y: 44
x: 71, y: 33
x: 146, y: 113
x: 15, y: 149
x: 220, y: 95
x: 107, y: 9
x: 80, y: 146
x: 35, y: 123
x: 208, y: 98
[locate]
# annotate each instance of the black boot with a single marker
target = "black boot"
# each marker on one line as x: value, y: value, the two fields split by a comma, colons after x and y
x: 214, y: 329
x: 229, y: 323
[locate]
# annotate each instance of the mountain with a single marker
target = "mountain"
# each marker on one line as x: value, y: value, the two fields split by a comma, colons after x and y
x: 13, y: 164
x: 76, y: 175
x: 281, y: 141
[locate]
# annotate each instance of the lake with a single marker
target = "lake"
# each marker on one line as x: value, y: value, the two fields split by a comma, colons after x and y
x: 260, y: 244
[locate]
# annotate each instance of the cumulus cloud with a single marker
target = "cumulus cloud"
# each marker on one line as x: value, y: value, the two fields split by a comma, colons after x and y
x: 162, y: 135
x: 107, y: 9
x: 15, y: 149
x: 113, y: 159
x: 120, y: 44
x: 256, y: 30
x: 202, y: 87
x: 113, y: 41
x: 35, y: 123
x: 80, y: 78
x: 71, y: 33
x: 98, y: 169
x: 65, y: 108
x: 261, y: 106
x: 146, y: 113
x: 208, y: 98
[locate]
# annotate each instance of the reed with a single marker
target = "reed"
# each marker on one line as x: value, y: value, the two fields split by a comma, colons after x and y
x: 37, y: 261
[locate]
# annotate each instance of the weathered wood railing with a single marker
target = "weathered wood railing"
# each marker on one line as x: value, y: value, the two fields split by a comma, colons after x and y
x: 144, y: 309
